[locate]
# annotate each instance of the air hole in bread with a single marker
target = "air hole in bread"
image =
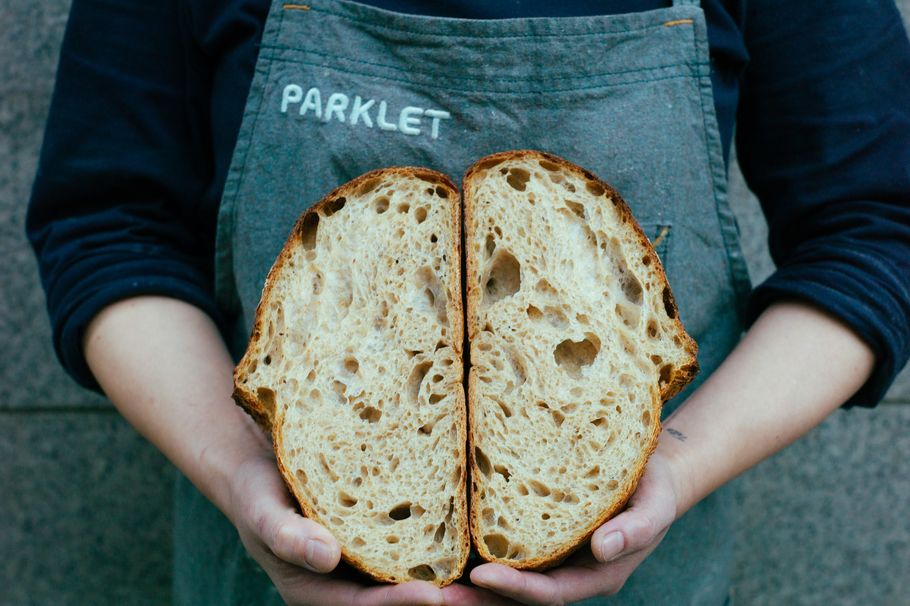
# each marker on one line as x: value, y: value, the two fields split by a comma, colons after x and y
x: 539, y: 488
x: 497, y: 545
x: 505, y: 409
x: 441, y: 192
x: 433, y: 238
x: 646, y: 260
x: 436, y: 398
x: 326, y: 468
x: 381, y: 205
x: 392, y: 539
x: 334, y: 206
x: 612, y: 484
x: 629, y: 314
x: 301, y: 476
x: 502, y: 522
x: 440, y: 533
x: 317, y: 283
x: 534, y: 313
x: 351, y: 365
x: 482, y: 462
x: 670, y: 307
x: 368, y: 186
x: 403, y: 208
x: 308, y: 229
x: 339, y: 387
x: 434, y: 294
x: 653, y: 329
x: 572, y: 356
x: 558, y: 417
x: 424, y: 572
x: 420, y: 215
x: 518, y: 178
x: 577, y: 208
x: 532, y: 198
x: 544, y: 286
x: 417, y: 375
x: 266, y: 397
x: 488, y: 164
x: 401, y: 511
x: 594, y: 188
x: 600, y: 422
x: 503, y: 471
x: 358, y: 542
x: 489, y: 245
x: 346, y: 500
x: 646, y: 418
x: 547, y: 165
x: 504, y: 278
x: 267, y: 360
x: 665, y: 372
x: 370, y: 414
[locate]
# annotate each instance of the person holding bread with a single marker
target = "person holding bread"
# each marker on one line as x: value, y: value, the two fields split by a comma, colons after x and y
x: 186, y: 137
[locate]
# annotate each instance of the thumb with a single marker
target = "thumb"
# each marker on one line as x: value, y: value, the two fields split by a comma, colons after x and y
x: 297, y: 540
x: 651, y: 511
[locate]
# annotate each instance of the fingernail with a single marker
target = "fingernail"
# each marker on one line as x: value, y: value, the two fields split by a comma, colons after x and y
x: 611, y: 546
x: 318, y: 555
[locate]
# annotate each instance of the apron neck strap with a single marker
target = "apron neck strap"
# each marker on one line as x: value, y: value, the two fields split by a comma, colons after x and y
x: 686, y: 2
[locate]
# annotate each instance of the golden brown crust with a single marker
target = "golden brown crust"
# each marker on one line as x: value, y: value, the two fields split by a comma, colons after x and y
x: 270, y: 421
x: 678, y: 380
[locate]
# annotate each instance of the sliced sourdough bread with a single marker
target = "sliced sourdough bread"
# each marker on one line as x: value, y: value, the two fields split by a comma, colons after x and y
x: 355, y: 367
x: 575, y: 344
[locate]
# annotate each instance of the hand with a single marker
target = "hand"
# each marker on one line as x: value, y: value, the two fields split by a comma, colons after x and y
x: 617, y: 548
x: 297, y: 553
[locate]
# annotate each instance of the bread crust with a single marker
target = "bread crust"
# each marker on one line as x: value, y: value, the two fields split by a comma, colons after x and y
x: 677, y: 381
x: 270, y: 419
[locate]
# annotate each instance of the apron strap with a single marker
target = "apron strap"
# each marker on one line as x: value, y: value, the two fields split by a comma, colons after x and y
x: 686, y: 2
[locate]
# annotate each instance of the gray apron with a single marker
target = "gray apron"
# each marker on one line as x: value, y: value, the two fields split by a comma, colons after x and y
x: 341, y: 88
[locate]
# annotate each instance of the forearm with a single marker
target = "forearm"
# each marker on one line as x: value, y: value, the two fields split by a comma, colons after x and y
x: 165, y: 367
x: 794, y: 367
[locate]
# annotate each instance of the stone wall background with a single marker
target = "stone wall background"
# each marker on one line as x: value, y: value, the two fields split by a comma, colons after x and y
x: 85, y: 503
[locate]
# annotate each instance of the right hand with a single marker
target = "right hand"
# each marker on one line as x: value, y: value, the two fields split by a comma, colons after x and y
x: 298, y: 554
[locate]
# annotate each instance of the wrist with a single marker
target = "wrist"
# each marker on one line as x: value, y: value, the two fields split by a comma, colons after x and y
x: 672, y: 448
x: 218, y: 461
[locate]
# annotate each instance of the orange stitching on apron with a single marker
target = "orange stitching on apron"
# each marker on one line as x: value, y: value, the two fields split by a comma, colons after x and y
x: 671, y: 23
x: 661, y: 236
x: 296, y: 7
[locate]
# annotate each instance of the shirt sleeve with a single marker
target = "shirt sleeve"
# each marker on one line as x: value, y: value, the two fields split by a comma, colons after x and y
x: 114, y: 209
x: 823, y: 139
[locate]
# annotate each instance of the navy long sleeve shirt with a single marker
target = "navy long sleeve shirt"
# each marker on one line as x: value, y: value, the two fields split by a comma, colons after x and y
x: 149, y: 98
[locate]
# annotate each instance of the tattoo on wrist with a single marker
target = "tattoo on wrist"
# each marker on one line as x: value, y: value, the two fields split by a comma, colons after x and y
x: 676, y: 434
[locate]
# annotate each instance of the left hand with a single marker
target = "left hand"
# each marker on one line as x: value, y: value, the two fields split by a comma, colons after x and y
x: 617, y: 548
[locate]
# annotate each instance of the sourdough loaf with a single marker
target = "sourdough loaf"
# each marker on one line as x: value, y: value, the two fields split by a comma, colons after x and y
x: 575, y: 344
x: 355, y: 367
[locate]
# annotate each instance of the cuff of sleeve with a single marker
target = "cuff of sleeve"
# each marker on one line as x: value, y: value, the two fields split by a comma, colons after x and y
x: 863, y: 306
x: 70, y: 326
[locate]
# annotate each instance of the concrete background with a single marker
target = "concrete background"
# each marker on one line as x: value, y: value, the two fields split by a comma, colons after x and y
x: 85, y: 503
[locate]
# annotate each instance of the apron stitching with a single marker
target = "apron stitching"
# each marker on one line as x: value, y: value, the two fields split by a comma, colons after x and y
x: 741, y: 284
x: 243, y: 164
x: 472, y: 78
x: 490, y: 92
x: 370, y: 24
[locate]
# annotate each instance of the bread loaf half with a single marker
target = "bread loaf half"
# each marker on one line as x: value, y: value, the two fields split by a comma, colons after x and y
x: 574, y: 345
x: 355, y: 367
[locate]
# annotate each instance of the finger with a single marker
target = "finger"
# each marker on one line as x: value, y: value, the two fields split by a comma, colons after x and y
x: 328, y: 590
x: 412, y: 592
x: 295, y: 539
x: 626, y: 534
x: 458, y: 594
x: 526, y: 587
